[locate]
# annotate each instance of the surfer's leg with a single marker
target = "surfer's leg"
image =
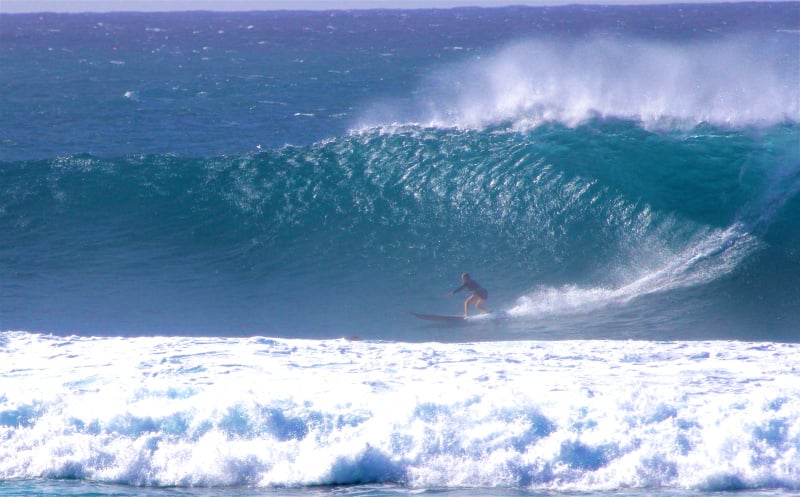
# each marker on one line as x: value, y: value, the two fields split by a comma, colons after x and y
x: 467, y: 302
x: 479, y: 304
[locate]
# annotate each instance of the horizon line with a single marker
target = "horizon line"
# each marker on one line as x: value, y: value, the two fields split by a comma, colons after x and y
x: 153, y: 6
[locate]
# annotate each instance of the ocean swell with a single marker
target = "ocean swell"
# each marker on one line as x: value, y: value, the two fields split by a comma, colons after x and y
x: 606, y: 208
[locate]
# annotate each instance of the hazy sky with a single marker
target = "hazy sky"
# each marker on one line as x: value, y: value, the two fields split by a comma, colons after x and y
x: 15, y: 6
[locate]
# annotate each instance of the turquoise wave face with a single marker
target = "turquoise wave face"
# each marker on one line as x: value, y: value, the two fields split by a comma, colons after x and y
x: 345, y: 236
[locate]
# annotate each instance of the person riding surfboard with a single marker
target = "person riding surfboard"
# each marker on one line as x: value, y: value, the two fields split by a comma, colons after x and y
x: 478, y: 294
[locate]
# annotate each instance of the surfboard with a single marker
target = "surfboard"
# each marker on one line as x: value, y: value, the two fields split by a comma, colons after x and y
x: 440, y: 318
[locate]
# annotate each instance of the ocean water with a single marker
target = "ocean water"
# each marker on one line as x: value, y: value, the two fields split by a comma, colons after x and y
x: 214, y: 228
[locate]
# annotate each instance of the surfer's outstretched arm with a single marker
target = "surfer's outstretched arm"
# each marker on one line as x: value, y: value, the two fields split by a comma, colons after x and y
x: 453, y: 292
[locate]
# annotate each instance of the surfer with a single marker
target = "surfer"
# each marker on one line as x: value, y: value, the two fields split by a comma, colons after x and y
x: 478, y: 294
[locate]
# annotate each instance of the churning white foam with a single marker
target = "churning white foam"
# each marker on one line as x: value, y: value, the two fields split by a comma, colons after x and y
x: 569, y: 415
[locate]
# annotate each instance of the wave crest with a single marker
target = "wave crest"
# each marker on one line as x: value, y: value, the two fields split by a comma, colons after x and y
x: 737, y: 82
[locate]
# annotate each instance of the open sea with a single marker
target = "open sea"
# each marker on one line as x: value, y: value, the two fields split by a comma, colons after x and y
x: 214, y: 228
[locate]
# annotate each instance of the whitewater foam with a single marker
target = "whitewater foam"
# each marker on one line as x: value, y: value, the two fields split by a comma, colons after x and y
x: 573, y: 416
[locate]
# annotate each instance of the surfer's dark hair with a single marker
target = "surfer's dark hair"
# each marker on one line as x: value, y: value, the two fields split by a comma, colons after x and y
x: 467, y: 276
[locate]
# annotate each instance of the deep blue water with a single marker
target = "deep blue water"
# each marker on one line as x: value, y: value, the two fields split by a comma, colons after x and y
x: 607, y: 173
